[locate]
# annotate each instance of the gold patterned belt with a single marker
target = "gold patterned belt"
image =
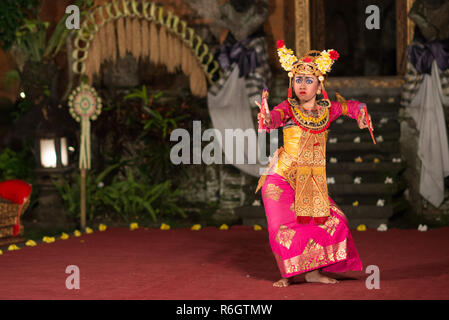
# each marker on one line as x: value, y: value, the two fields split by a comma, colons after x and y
x: 287, y: 161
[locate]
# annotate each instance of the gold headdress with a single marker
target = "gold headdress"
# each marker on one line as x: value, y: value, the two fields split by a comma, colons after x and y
x: 313, y: 62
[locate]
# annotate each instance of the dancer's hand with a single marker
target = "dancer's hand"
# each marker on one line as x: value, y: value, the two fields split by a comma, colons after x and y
x: 266, y: 116
x: 362, y: 120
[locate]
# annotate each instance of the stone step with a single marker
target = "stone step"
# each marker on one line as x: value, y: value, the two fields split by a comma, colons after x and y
x: 364, y: 199
x: 369, y: 223
x: 371, y: 212
x: 366, y: 189
x: 366, y: 177
x: 389, y: 167
x: 385, y: 147
x: 367, y: 156
x: 350, y: 126
x: 370, y: 216
x: 392, y: 136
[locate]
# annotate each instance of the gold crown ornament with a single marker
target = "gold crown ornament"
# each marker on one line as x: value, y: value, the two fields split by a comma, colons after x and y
x: 313, y: 62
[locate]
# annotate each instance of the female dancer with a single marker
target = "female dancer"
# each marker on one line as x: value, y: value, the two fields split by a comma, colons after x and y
x: 308, y: 232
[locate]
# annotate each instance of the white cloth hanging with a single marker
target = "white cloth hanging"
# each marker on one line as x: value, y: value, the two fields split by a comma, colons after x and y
x: 426, y: 108
x: 229, y: 109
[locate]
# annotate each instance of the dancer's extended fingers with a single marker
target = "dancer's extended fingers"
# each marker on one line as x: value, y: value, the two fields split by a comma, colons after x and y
x: 257, y: 103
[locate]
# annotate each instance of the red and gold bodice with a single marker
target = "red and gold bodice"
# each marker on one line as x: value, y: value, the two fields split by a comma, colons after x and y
x: 302, y: 159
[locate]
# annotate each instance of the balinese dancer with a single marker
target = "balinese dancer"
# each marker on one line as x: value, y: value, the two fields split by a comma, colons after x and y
x: 308, y: 232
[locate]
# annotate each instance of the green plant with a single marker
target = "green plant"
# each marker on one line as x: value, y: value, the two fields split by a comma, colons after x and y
x: 153, y: 160
x: 70, y: 192
x: 22, y: 29
x: 162, y: 123
x: 17, y: 165
x: 127, y: 196
x: 12, y: 16
x: 130, y: 198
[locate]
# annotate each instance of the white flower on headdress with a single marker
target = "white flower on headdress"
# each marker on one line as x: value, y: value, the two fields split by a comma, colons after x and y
x: 324, y: 62
x: 286, y: 56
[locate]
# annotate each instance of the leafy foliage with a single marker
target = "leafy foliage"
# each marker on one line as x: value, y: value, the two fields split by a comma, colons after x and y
x: 16, y: 165
x: 70, y: 193
x: 131, y: 198
x: 12, y: 16
x: 21, y: 26
x: 125, y: 196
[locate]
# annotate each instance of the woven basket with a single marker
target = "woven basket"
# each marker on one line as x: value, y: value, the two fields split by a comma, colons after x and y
x: 6, y: 232
x: 8, y: 214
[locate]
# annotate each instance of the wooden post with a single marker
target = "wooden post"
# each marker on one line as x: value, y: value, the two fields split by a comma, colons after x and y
x: 83, y: 198
x: 302, y: 27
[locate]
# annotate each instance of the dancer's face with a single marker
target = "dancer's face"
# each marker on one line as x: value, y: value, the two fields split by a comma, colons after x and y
x: 305, y: 86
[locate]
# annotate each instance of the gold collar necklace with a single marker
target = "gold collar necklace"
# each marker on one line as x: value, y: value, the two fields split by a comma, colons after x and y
x: 312, y: 124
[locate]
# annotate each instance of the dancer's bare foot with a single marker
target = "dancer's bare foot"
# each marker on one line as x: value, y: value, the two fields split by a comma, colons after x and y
x: 316, y: 276
x: 284, y: 282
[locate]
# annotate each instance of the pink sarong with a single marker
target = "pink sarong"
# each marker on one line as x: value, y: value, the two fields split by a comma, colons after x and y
x: 300, y: 248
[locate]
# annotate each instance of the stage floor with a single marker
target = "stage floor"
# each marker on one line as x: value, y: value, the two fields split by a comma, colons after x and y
x: 237, y: 264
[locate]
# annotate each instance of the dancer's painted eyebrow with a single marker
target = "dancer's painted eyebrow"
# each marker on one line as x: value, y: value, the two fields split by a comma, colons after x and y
x: 303, y: 77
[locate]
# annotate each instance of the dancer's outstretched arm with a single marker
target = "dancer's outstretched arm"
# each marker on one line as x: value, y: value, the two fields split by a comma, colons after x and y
x: 351, y: 108
x: 275, y: 118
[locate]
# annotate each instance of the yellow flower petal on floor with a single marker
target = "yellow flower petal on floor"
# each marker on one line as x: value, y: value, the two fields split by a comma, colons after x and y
x: 13, y: 247
x: 48, y: 239
x: 102, y: 227
x: 257, y: 227
x: 361, y: 227
x: 64, y: 236
x: 196, y: 227
x: 30, y: 243
x: 77, y: 233
x: 89, y: 230
x: 224, y: 227
x: 134, y: 226
x: 376, y: 160
x: 355, y: 203
x: 358, y: 159
x: 165, y: 226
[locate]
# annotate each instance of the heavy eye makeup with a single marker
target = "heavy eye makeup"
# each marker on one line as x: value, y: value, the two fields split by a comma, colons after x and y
x: 308, y: 80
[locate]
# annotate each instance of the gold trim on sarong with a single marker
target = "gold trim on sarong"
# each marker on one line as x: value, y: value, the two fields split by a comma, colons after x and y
x: 315, y: 257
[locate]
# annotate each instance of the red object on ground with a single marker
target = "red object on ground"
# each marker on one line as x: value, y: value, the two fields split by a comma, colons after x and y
x: 181, y: 264
x: 17, y: 191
